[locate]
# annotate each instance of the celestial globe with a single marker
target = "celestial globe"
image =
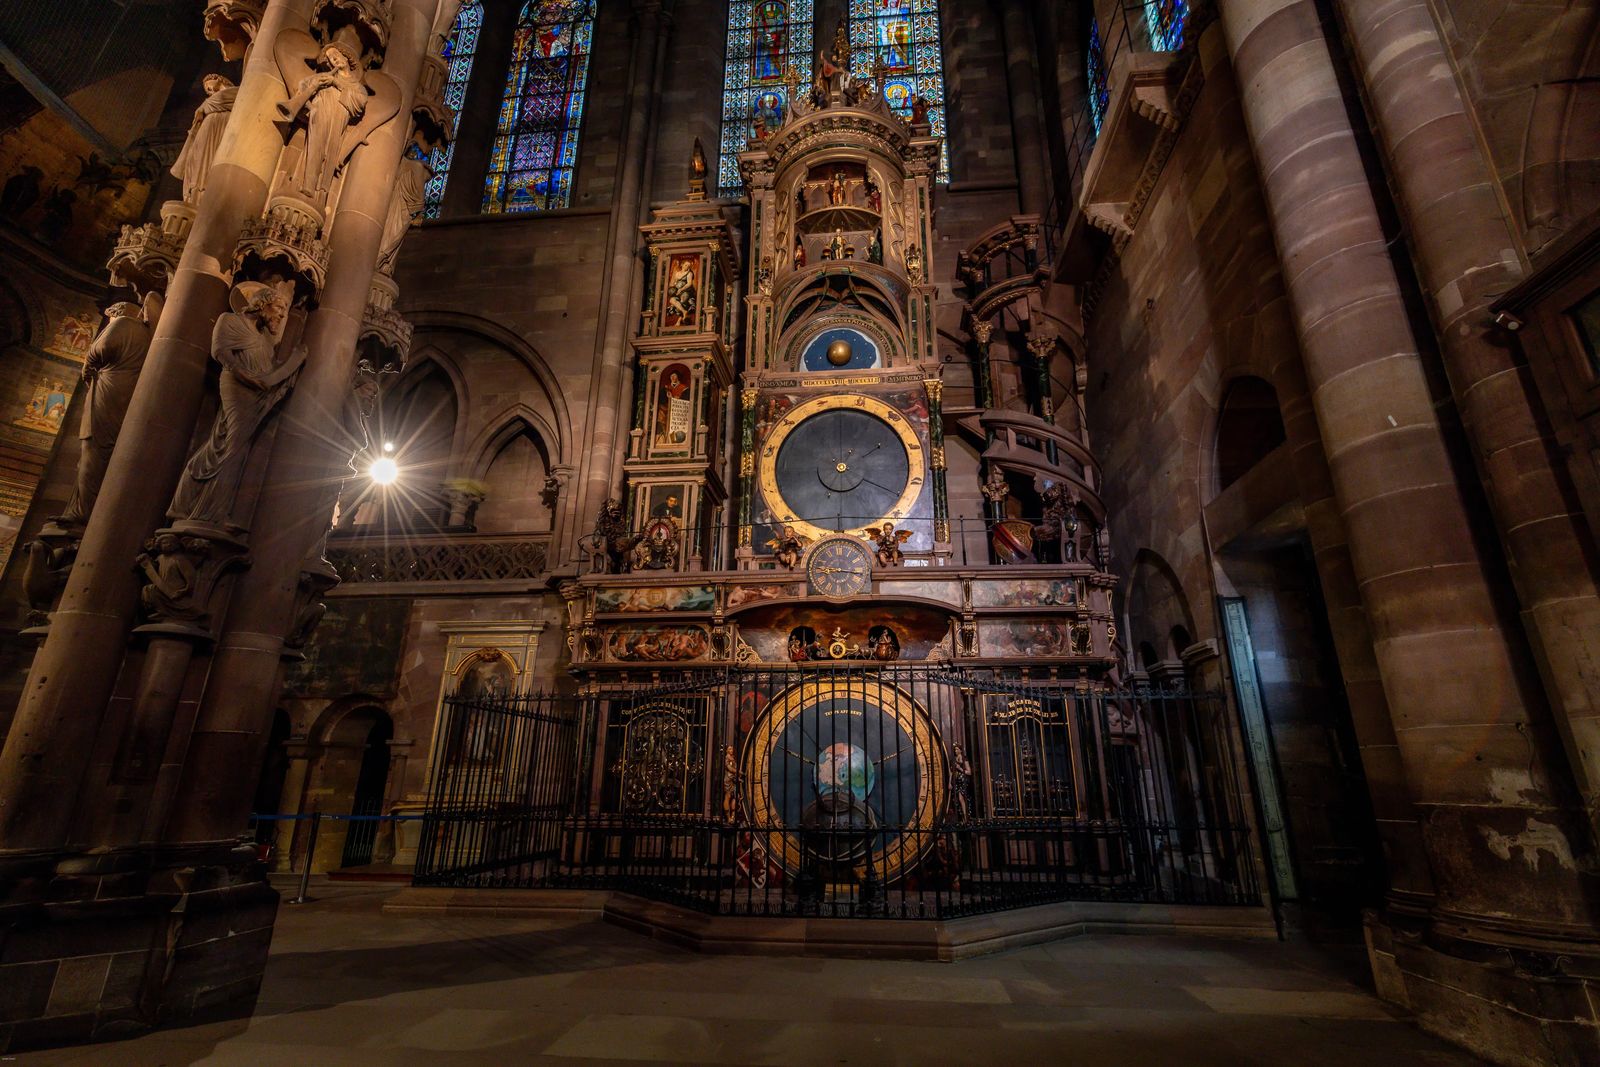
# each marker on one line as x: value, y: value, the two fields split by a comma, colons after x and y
x: 839, y: 353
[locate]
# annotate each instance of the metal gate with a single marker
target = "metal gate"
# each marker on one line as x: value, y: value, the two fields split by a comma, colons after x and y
x: 881, y: 791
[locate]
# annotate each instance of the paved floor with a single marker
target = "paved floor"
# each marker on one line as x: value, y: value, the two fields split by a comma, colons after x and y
x: 347, y: 985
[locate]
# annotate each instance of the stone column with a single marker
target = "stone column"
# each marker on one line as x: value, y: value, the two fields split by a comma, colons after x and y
x: 1027, y: 116
x: 45, y: 756
x: 308, y: 462
x: 1465, y: 254
x: 608, y: 407
x: 1476, y: 754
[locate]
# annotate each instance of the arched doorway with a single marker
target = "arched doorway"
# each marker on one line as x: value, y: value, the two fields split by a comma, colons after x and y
x: 371, y: 781
x: 350, y: 776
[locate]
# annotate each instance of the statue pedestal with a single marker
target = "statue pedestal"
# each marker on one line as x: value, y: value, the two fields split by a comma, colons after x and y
x: 94, y: 947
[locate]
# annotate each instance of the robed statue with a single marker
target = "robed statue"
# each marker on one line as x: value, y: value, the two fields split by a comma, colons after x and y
x: 410, y: 194
x: 193, y: 164
x: 245, y: 342
x: 330, y: 100
x: 110, y: 373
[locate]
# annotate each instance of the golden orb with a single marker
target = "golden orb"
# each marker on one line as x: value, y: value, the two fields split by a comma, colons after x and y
x: 839, y: 353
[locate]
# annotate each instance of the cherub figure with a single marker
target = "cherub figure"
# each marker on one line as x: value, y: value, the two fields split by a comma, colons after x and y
x: 788, y: 548
x: 889, y: 540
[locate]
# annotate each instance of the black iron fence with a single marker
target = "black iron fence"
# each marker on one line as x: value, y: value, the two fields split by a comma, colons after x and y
x: 895, y: 791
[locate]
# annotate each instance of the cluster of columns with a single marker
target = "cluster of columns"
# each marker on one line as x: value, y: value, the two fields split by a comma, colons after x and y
x: 140, y: 748
x: 1473, y: 739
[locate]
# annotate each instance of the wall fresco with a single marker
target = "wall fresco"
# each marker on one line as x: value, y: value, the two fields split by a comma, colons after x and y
x: 1023, y: 638
x: 756, y: 594
x: 944, y: 592
x: 356, y: 650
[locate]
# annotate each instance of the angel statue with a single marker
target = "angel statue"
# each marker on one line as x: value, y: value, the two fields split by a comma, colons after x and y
x: 332, y: 99
x: 889, y: 540
x: 788, y: 548
x: 245, y: 342
x: 193, y: 165
x: 410, y: 193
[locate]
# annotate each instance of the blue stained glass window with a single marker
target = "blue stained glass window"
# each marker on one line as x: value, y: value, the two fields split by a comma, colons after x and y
x: 1095, y: 68
x: 1164, y: 20
x: 536, y: 144
x: 905, y: 34
x: 458, y: 53
x: 765, y: 37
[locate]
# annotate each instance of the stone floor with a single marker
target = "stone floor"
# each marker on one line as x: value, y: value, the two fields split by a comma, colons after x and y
x: 347, y: 985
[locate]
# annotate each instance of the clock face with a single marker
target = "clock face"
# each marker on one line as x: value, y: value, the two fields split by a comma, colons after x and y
x: 844, y: 774
x: 840, y: 566
x: 841, y: 463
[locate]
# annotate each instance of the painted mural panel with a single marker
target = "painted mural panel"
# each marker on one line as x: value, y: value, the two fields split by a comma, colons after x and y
x: 674, y: 409
x: 944, y: 592
x: 681, y: 304
x: 1032, y: 637
x: 1026, y: 592
x: 756, y: 594
x: 655, y: 598
x: 657, y: 643
x: 356, y: 650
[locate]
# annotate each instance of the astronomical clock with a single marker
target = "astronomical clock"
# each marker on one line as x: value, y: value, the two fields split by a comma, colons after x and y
x: 775, y: 601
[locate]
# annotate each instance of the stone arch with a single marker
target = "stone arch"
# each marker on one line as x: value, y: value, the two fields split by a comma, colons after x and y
x: 1157, y: 603
x: 513, y: 457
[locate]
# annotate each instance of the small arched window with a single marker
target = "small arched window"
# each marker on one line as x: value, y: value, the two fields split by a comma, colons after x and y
x: 459, y: 51
x: 536, y: 144
x: 1248, y: 427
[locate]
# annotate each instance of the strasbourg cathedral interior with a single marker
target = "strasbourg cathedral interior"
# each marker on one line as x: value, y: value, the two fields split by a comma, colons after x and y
x: 871, y: 478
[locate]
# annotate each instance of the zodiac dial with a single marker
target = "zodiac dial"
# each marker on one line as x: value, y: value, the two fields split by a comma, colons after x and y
x: 839, y: 567
x: 841, y: 463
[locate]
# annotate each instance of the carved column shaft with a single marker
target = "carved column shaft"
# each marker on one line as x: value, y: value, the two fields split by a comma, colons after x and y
x: 1027, y: 116
x: 296, y: 501
x: 1455, y: 683
x: 75, y: 670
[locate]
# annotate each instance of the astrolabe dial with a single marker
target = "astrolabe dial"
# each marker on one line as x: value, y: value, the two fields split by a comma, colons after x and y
x: 839, y: 567
x: 841, y: 463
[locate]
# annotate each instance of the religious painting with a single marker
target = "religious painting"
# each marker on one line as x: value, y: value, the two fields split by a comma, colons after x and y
x: 477, y: 728
x: 73, y: 336
x: 674, y: 415
x: 356, y: 649
x: 1033, y: 637
x: 47, y: 408
x: 657, y: 644
x: 769, y: 40
x: 943, y: 592
x: 766, y: 38
x: 681, y: 299
x: 655, y: 598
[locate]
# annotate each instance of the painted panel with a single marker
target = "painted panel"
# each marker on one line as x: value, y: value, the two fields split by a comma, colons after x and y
x: 657, y: 643
x: 655, y: 598
x: 356, y: 649
x: 1025, y: 592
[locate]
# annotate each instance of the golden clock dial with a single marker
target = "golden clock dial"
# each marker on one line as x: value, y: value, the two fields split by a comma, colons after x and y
x: 839, y: 567
x: 842, y: 462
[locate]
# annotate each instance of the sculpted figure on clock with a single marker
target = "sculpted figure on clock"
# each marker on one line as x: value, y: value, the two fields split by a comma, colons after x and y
x: 788, y: 547
x: 888, y: 541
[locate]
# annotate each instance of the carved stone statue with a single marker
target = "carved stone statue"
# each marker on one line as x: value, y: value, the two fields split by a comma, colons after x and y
x: 410, y: 193
x: 697, y: 170
x: 1061, y: 520
x: 332, y: 100
x: 960, y: 781
x: 110, y: 373
x: 551, y: 492
x: 244, y: 341
x: 731, y: 781
x: 888, y: 541
x: 193, y: 164
x: 788, y: 548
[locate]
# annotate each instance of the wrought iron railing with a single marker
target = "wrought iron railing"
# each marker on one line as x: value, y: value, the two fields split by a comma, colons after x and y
x: 438, y: 557
x: 885, y: 792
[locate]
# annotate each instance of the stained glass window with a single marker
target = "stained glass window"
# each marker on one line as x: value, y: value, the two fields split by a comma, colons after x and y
x: 764, y: 38
x: 1164, y: 19
x: 459, y: 49
x: 905, y: 35
x: 536, y: 145
x: 1095, y: 68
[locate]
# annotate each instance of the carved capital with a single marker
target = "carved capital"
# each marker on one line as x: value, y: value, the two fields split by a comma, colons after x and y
x: 50, y: 557
x: 982, y: 332
x: 385, y: 339
x: 285, y: 241
x: 1043, y: 346
x: 316, y: 578
x: 144, y: 257
x: 368, y: 20
x: 935, y: 389
x: 233, y: 25
x: 182, y: 565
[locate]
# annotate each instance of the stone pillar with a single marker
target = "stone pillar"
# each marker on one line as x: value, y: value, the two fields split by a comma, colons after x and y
x: 1027, y: 116
x: 1465, y: 254
x: 936, y: 465
x: 295, y: 506
x: 64, y: 701
x: 608, y: 401
x: 1476, y: 753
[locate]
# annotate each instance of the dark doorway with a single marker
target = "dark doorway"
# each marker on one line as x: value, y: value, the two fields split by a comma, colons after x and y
x: 368, y: 799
